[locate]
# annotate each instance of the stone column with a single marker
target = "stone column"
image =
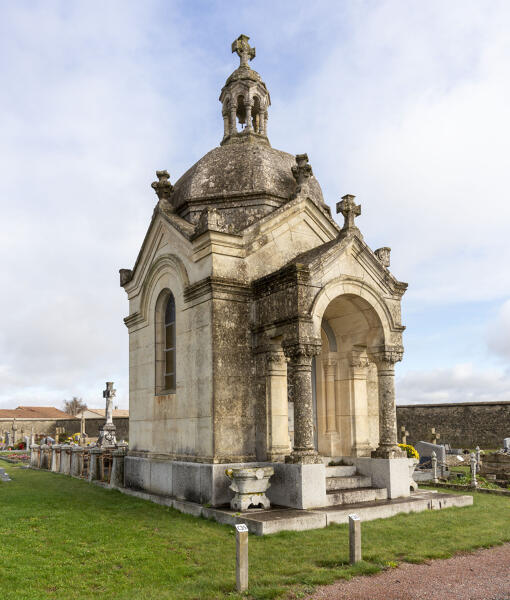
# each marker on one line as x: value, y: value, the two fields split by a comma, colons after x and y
x: 277, y: 413
x: 264, y: 123
x: 117, y: 474
x: 76, y: 461
x: 248, y: 106
x: 233, y: 112
x: 359, y: 402
x: 385, y: 358
x: 55, y: 458
x: 94, y: 469
x: 329, y: 366
x: 300, y: 371
x: 34, y: 456
x: 226, y: 127
x: 65, y: 458
x: 44, y: 457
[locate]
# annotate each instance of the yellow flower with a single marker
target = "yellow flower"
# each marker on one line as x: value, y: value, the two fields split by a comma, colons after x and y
x: 410, y: 450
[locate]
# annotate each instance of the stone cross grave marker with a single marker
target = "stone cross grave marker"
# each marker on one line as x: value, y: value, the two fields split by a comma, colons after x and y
x: 405, y: 433
x: 435, y: 436
x: 350, y: 210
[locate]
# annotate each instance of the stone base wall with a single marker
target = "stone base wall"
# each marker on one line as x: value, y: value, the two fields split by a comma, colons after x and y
x: 463, y: 425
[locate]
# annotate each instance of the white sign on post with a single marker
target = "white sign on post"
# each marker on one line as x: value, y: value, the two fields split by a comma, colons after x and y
x: 241, y: 527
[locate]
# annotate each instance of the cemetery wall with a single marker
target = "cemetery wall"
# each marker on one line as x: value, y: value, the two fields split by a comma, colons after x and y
x: 462, y: 425
x: 92, y: 427
x: 71, y: 425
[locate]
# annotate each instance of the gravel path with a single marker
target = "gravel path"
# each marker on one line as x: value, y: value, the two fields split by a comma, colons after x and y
x: 481, y: 575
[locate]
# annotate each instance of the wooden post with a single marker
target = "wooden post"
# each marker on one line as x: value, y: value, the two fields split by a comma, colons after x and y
x: 354, y: 539
x: 241, y: 558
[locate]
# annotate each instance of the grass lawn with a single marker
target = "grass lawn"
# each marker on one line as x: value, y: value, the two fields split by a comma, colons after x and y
x: 64, y: 538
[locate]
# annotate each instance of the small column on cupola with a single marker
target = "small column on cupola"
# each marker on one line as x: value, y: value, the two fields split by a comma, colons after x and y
x: 245, y: 100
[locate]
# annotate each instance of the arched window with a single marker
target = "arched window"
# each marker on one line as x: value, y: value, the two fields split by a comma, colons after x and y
x: 169, y: 344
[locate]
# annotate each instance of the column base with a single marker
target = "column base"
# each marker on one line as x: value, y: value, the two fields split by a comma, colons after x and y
x: 277, y: 456
x: 389, y: 452
x: 304, y: 457
x: 362, y: 450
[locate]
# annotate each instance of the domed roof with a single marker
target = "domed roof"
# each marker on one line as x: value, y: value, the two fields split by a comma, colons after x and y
x: 241, y: 169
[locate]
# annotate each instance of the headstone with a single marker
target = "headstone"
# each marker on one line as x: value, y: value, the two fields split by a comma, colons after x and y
x: 506, y: 444
x: 425, y: 450
x: 7, y: 438
x: 26, y: 439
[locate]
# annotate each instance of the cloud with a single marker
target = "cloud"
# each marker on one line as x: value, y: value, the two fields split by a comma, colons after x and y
x: 460, y: 383
x: 498, y: 333
x: 406, y: 108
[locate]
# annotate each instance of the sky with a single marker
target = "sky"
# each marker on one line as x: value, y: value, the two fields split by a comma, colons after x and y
x: 403, y: 104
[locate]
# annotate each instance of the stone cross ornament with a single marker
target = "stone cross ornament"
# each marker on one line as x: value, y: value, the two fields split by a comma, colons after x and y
x: 109, y: 394
x: 162, y: 186
x: 350, y: 210
x: 243, y: 50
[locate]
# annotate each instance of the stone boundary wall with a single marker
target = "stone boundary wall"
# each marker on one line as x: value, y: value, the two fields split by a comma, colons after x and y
x: 92, y: 427
x: 462, y: 425
x: 71, y: 425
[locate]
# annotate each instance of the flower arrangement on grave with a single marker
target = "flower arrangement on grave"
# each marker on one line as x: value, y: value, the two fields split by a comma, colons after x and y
x: 410, y: 451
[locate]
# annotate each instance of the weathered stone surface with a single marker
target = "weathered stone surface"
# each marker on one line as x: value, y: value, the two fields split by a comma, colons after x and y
x: 258, y: 268
x: 462, y: 425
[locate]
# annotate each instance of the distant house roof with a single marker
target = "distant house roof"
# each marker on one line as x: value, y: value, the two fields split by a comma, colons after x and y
x: 34, y: 412
x: 94, y: 413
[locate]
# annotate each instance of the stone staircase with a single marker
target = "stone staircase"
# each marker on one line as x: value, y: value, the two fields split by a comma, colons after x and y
x: 344, y: 485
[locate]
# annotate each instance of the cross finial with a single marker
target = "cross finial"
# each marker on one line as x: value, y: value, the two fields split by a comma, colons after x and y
x: 350, y: 210
x: 243, y: 49
x: 163, y: 187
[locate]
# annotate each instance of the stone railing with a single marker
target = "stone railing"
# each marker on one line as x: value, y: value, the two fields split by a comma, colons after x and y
x: 90, y: 463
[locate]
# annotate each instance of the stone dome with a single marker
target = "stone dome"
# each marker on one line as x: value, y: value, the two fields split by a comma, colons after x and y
x: 236, y: 171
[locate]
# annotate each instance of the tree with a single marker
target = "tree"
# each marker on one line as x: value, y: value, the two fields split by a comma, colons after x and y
x: 74, y: 406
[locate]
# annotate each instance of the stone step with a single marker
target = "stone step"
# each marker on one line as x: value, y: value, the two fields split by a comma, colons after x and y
x: 346, y: 471
x: 344, y: 483
x: 369, y: 494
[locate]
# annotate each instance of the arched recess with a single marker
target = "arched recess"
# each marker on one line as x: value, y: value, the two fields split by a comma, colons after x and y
x: 167, y: 271
x: 351, y: 319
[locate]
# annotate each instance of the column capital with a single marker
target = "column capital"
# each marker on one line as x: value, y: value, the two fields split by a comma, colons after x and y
x: 303, y: 350
x: 355, y: 358
x: 387, y: 355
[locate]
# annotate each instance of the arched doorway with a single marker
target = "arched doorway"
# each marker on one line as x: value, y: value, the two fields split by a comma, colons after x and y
x: 346, y: 385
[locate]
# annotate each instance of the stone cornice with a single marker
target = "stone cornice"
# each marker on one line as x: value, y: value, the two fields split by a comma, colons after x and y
x: 217, y: 288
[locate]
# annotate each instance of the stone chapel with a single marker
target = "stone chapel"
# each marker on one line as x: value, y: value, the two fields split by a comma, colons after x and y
x: 260, y: 331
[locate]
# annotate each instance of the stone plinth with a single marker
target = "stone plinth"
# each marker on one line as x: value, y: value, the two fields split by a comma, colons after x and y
x: 44, y: 461
x: 55, y: 458
x: 76, y: 466
x: 94, y: 466
x: 117, y: 474
x: 35, y: 455
x: 65, y: 459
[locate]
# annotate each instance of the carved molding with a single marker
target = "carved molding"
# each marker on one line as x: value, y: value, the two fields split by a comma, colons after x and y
x: 387, y: 354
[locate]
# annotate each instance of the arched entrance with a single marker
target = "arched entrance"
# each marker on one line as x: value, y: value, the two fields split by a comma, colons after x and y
x: 346, y: 380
